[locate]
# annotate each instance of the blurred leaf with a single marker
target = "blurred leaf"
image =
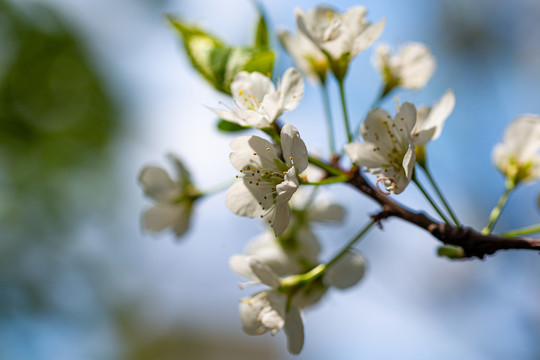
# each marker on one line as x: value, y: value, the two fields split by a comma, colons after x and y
x: 261, y: 61
x: 217, y: 62
x: 262, y: 37
x: 207, y: 54
x: 227, y: 126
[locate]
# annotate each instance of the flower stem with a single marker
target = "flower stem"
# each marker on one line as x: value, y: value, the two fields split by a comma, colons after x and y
x: 351, y: 242
x: 428, y: 198
x: 326, y: 167
x: 441, y: 195
x: 319, y: 270
x: 330, y: 180
x: 328, y: 115
x: 510, y: 184
x: 344, y: 108
x: 522, y: 231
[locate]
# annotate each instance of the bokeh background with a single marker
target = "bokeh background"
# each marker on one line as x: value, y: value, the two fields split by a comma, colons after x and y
x: 91, y: 91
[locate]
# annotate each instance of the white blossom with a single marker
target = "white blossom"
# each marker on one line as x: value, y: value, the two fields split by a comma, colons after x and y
x: 258, y: 102
x: 173, y: 198
x: 268, y: 310
x: 320, y: 209
x: 410, y: 67
x: 517, y: 156
x: 341, y: 36
x: 430, y: 120
x: 306, y: 55
x: 289, y: 254
x: 387, y: 151
x: 345, y: 272
x: 268, y: 181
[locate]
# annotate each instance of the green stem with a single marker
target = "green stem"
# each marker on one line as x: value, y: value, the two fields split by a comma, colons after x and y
x: 328, y: 115
x: 497, y: 210
x: 296, y: 280
x: 330, y: 180
x: 350, y: 243
x: 441, y: 196
x: 326, y: 167
x: 344, y: 108
x: 426, y: 195
x: 527, y: 230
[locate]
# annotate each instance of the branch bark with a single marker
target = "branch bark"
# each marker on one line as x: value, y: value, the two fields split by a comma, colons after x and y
x: 473, y: 242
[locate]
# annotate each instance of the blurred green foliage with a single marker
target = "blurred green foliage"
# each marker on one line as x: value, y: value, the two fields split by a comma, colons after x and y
x: 56, y: 125
x: 55, y: 117
x: 218, y: 62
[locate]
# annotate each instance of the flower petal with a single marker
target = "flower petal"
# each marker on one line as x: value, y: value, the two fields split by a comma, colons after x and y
x: 367, y: 37
x: 241, y: 200
x: 244, y: 149
x: 294, y: 329
x: 326, y: 210
x: 240, y: 264
x: 291, y: 89
x: 282, y: 214
x: 365, y: 155
x: 264, y: 273
x: 156, y: 183
x: 249, y: 314
x: 249, y: 89
x: 345, y: 272
x: 162, y: 216
x: 183, y: 174
x: 293, y: 146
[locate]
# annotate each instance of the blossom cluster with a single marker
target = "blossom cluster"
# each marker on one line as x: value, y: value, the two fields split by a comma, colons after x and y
x: 275, y: 168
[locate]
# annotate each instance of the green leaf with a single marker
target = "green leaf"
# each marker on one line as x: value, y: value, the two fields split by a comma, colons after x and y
x: 261, y: 61
x: 227, y: 126
x: 207, y: 54
x: 217, y: 62
x: 262, y: 37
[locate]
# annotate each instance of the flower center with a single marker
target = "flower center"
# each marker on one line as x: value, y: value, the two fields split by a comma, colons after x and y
x: 248, y: 100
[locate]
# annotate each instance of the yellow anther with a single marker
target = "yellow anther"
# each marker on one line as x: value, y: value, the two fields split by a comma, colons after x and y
x: 267, y: 149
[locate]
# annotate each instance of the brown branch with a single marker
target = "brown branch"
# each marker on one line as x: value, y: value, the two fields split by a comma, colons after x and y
x: 473, y: 242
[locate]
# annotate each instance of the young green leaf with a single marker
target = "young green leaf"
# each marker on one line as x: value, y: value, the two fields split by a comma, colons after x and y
x: 229, y: 127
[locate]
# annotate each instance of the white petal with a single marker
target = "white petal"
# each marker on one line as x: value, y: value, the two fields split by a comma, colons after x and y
x: 367, y: 37
x: 250, y: 88
x: 415, y: 65
x: 326, y: 210
x: 273, y: 315
x: 381, y: 57
x: 346, y: 272
x: 287, y: 187
x: 267, y: 249
x: 291, y: 89
x: 244, y: 149
x: 162, y: 216
x: 282, y: 214
x: 264, y: 273
x: 293, y: 146
x: 156, y: 183
x: 242, y: 201
x: 407, y: 117
x: 294, y: 329
x: 307, y: 56
x: 240, y: 264
x: 249, y: 314
x: 365, y: 155
x: 435, y: 117
x: 183, y: 174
